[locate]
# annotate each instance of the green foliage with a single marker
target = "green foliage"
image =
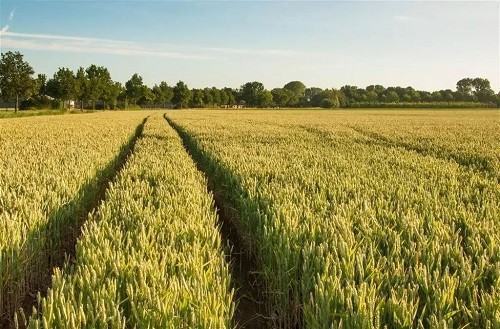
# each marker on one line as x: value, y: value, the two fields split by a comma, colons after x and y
x: 182, y: 95
x: 282, y: 97
x: 251, y: 93
x: 134, y: 88
x: 163, y: 94
x: 16, y: 81
x: 297, y: 89
x: 423, y: 105
x: 99, y: 80
x: 95, y: 85
x: 63, y: 85
x: 328, y: 98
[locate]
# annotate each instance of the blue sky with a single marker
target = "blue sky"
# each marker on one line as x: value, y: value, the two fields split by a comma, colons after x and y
x: 428, y: 45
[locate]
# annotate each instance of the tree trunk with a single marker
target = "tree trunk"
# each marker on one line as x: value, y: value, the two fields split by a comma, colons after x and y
x: 81, y: 105
x: 93, y: 105
x: 17, y: 103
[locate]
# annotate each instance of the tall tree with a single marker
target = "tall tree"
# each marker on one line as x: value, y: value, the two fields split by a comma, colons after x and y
x: 198, y: 98
x: 62, y: 85
x: 297, y: 89
x: 311, y: 95
x: 99, y: 80
x: 41, y: 85
x: 216, y: 99
x: 147, y: 98
x: 265, y: 99
x: 134, y: 88
x: 392, y: 97
x: 182, y: 95
x: 112, y: 93
x: 81, y: 86
x: 16, y: 81
x: 253, y: 93
x: 231, y: 96
x: 282, y: 96
x: 482, y: 90
x: 224, y: 97
x: 464, y: 89
x: 329, y: 98
x: 352, y: 93
x: 208, y: 99
x: 163, y: 94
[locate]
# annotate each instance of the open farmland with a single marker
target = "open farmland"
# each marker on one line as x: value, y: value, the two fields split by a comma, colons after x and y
x: 51, y: 172
x: 355, y: 230
x: 251, y: 219
x: 151, y: 256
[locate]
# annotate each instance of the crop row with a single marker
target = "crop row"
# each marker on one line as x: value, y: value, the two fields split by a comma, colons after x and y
x: 470, y: 139
x: 51, y: 170
x: 349, y: 234
x: 150, y: 256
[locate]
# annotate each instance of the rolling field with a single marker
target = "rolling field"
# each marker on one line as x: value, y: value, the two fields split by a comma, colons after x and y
x: 348, y: 219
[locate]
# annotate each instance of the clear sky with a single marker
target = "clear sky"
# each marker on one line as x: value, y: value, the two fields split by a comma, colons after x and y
x: 428, y: 45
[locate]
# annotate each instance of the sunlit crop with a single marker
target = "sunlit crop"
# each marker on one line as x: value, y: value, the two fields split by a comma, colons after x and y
x: 49, y: 171
x: 151, y: 256
x: 352, y: 231
x: 355, y: 219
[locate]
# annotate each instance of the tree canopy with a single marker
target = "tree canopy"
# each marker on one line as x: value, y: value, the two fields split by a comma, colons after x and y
x: 93, y: 85
x: 16, y: 81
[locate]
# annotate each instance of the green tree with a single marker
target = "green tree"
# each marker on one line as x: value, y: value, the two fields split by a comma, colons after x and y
x: 99, y: 80
x: 41, y: 85
x: 81, y: 86
x: 436, y: 96
x: 392, y: 97
x: 134, y: 88
x: 208, y: 97
x: 371, y: 96
x: 224, y: 97
x: 352, y: 93
x: 482, y: 90
x: 252, y: 93
x: 216, y: 96
x: 281, y: 96
x: 163, y: 94
x: 198, y: 98
x: 464, y: 89
x: 16, y: 81
x: 147, y: 98
x: 311, y: 96
x: 62, y: 85
x: 297, y: 89
x: 447, y: 95
x: 231, y: 96
x: 412, y: 95
x: 329, y: 98
x: 182, y: 95
x: 265, y: 99
x: 378, y: 89
x: 112, y: 93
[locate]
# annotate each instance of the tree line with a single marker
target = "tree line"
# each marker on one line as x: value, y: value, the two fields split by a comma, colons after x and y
x: 93, y: 87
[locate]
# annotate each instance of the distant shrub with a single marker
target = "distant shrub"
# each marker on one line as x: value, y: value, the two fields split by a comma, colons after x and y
x: 422, y: 105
